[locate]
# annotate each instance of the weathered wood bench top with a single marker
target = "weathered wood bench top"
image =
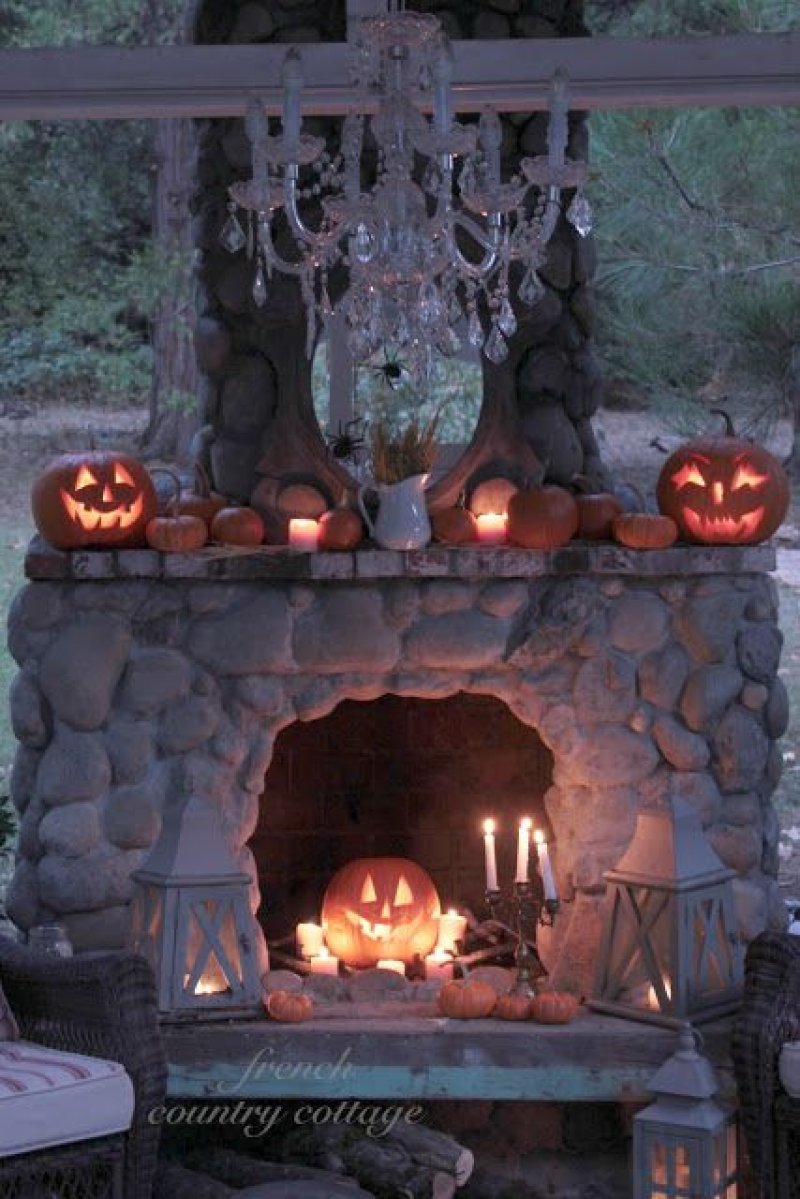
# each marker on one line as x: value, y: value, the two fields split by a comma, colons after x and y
x: 596, y: 1058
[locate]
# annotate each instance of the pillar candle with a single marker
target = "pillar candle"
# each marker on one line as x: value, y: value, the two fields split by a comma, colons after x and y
x: 303, y: 534
x: 393, y: 964
x: 544, y: 863
x: 451, y: 929
x: 325, y: 962
x: 439, y: 965
x: 310, y: 940
x: 492, y: 528
x: 491, y: 858
x: 523, y: 849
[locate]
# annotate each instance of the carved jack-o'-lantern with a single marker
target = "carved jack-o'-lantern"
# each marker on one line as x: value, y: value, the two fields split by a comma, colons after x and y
x: 723, y: 490
x: 380, y: 908
x: 97, y: 498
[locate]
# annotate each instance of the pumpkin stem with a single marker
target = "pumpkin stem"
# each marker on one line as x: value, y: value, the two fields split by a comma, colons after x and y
x: 730, y: 431
x: 581, y: 484
x: 202, y: 483
x: 637, y: 491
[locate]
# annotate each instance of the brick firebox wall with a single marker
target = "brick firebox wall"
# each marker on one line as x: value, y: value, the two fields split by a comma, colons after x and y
x: 411, y: 777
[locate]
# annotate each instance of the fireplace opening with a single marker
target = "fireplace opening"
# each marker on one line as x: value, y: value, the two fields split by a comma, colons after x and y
x: 400, y: 777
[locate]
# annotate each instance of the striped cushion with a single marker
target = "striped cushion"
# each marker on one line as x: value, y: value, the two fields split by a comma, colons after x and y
x: 53, y: 1098
x: 8, y: 1025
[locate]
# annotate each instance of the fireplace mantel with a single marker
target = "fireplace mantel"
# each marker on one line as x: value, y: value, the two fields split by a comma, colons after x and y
x: 227, y: 564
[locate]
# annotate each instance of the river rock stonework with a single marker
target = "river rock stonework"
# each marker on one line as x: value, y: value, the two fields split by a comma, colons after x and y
x: 135, y: 692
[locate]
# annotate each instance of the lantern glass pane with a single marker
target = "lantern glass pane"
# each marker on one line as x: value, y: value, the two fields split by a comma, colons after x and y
x: 640, y: 969
x: 712, y: 950
x: 683, y: 1171
x: 212, y: 953
x: 733, y: 1149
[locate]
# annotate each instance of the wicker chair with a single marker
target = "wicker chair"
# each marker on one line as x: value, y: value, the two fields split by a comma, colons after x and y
x: 770, y: 1015
x: 101, y: 1004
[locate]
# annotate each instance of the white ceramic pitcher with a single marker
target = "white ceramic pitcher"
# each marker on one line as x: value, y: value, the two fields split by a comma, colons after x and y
x: 402, y: 521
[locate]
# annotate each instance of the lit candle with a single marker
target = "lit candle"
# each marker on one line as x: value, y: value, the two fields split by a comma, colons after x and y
x: 491, y: 859
x: 393, y: 964
x: 451, y: 929
x: 492, y: 528
x: 310, y: 940
x: 523, y: 849
x: 439, y: 964
x: 544, y: 862
x: 324, y: 962
x: 303, y: 534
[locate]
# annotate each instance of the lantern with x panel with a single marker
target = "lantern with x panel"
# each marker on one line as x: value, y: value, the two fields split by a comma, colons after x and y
x: 670, y: 949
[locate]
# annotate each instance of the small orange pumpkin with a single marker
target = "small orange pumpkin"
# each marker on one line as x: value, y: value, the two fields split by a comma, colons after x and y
x: 467, y: 999
x: 597, y: 511
x: 645, y: 531
x: 454, y: 526
x: 176, y: 534
x: 512, y: 1007
x: 291, y: 1007
x: 340, y: 529
x: 237, y: 526
x: 97, y: 498
x: 554, y: 1007
x: 542, y: 518
x: 302, y: 500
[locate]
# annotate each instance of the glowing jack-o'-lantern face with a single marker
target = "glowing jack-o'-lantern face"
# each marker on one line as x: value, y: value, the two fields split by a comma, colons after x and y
x: 93, y: 499
x: 380, y: 908
x: 723, y: 491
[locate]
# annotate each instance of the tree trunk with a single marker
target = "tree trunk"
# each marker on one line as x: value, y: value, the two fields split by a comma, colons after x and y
x: 174, y: 415
x: 793, y: 395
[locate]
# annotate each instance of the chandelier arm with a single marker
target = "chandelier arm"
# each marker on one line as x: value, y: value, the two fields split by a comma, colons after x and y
x: 316, y: 240
x: 552, y: 212
x: 490, y: 245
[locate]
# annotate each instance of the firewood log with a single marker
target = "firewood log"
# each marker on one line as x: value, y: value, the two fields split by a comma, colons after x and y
x: 428, y: 1147
x: 243, y: 1170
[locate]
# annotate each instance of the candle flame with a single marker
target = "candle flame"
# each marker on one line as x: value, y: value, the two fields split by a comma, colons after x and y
x: 452, y: 912
x: 526, y: 824
x: 324, y: 952
x: 538, y: 836
x: 488, y: 826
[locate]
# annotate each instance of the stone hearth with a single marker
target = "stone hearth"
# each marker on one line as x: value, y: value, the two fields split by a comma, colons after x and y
x: 144, y: 678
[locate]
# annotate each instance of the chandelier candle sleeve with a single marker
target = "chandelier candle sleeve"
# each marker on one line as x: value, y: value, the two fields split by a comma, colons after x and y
x: 492, y: 528
x: 451, y: 930
x: 324, y: 963
x: 303, y: 534
x: 491, y: 855
x: 523, y: 849
x: 310, y: 940
x: 545, y: 865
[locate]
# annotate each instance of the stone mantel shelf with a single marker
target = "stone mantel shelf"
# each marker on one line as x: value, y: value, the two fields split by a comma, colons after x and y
x: 595, y: 1058
x: 228, y: 564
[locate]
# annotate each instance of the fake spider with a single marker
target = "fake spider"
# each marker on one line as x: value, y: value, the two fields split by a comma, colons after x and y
x: 392, y: 371
x: 346, y: 442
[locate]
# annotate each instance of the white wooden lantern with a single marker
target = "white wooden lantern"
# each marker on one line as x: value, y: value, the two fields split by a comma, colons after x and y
x: 685, y: 1144
x: 191, y: 919
x: 670, y: 950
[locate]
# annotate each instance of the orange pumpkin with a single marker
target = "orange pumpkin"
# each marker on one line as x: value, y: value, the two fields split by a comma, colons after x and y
x: 723, y: 490
x: 98, y: 498
x: 202, y: 501
x: 454, y: 526
x: 542, y: 518
x: 554, y: 1007
x: 176, y: 534
x: 467, y: 999
x: 340, y: 529
x: 512, y: 1007
x: 292, y: 1007
x: 380, y: 908
x: 303, y: 500
x: 596, y: 515
x: 645, y: 530
x: 237, y: 526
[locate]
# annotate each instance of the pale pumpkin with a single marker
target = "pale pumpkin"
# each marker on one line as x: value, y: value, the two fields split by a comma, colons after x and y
x: 380, y: 908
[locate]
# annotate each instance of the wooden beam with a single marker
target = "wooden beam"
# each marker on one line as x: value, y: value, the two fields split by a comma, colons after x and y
x: 215, y: 81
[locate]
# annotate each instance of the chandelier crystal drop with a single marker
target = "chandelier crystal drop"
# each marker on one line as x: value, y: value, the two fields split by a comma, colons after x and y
x: 432, y: 237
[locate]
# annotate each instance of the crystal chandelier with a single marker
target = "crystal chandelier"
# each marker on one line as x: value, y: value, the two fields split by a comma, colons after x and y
x: 432, y: 239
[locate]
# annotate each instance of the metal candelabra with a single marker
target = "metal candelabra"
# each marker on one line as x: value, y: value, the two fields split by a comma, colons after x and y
x: 527, y: 909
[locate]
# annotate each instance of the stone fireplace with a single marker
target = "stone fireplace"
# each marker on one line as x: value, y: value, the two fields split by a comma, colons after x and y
x: 604, y: 679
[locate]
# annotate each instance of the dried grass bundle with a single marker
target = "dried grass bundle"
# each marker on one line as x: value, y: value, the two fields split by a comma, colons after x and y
x: 397, y: 458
